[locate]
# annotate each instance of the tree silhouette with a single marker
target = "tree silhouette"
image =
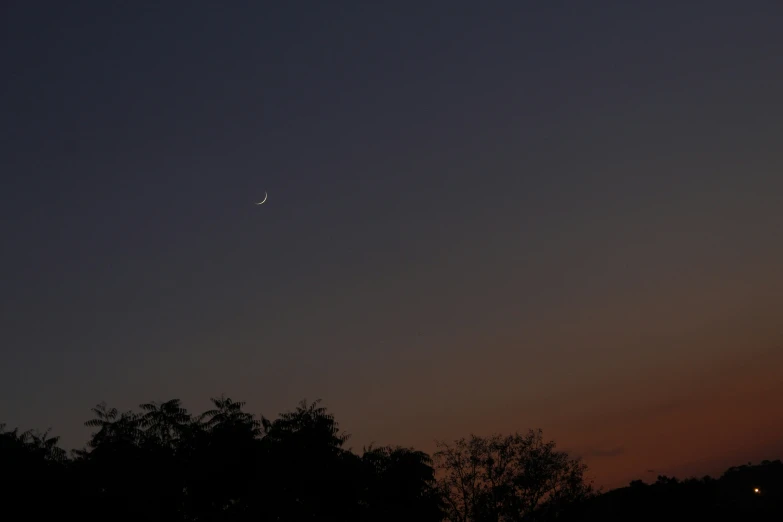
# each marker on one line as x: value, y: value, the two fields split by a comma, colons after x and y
x: 752, y: 493
x: 518, y: 477
x: 400, y: 485
x: 104, y: 419
x: 30, y: 455
x: 162, y: 463
x: 316, y: 478
x: 221, y: 454
x: 165, y: 421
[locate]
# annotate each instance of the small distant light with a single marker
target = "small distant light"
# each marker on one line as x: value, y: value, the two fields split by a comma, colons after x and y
x: 755, y: 490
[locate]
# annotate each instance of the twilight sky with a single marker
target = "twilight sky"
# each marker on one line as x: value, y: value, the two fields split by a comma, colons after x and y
x: 482, y: 216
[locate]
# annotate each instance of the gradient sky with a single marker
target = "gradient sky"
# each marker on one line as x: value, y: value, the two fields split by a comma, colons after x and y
x: 482, y: 216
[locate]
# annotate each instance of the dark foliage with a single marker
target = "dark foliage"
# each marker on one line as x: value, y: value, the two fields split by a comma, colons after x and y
x: 513, y: 478
x: 747, y: 493
x: 162, y: 463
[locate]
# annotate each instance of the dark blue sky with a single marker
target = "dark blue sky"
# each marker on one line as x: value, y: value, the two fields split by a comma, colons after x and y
x: 482, y: 216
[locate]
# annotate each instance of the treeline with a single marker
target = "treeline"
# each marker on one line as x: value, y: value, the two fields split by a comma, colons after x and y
x: 163, y: 463
x: 752, y: 493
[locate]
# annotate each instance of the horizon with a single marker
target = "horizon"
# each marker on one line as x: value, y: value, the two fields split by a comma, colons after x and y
x: 684, y: 470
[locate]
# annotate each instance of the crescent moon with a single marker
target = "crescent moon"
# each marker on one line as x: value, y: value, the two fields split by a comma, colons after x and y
x: 263, y: 200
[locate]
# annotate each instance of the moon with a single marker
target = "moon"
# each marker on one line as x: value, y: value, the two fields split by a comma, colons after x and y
x: 263, y: 200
